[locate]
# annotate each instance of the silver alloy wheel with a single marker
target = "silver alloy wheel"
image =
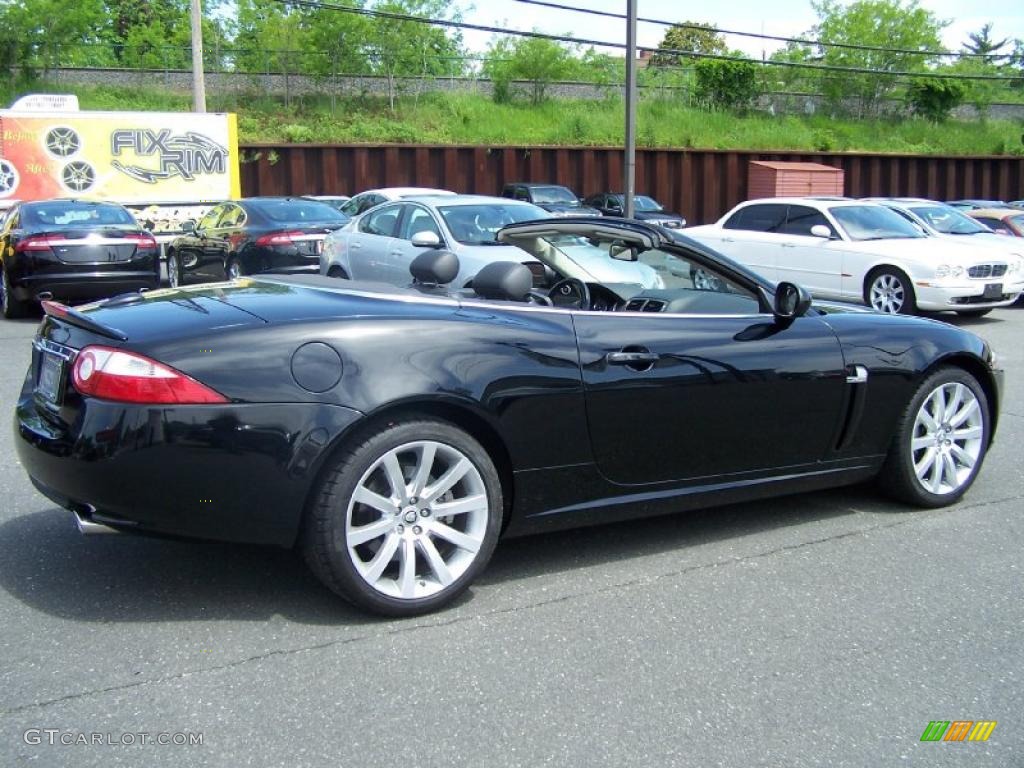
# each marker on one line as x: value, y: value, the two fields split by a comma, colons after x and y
x: 417, y: 520
x: 234, y: 270
x: 887, y: 293
x: 947, y: 439
x: 172, y: 270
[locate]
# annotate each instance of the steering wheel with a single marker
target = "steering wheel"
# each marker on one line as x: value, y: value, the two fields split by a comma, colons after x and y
x: 570, y: 292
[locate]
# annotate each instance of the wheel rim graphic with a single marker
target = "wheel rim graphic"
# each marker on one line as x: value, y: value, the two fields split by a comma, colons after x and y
x: 62, y: 142
x: 78, y: 176
x: 8, y: 178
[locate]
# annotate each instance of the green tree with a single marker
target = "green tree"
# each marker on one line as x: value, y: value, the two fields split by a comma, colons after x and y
x: 934, y: 98
x: 534, y: 60
x: 981, y: 42
x: 722, y: 84
x: 689, y: 36
x: 888, y: 25
x: 408, y: 48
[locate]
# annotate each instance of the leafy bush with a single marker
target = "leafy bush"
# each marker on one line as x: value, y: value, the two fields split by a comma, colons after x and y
x: 935, y: 99
x: 725, y: 84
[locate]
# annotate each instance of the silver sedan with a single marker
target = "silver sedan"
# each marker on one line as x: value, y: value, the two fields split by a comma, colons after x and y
x: 381, y: 243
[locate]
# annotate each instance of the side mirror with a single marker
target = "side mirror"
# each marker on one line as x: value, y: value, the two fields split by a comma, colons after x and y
x: 791, y: 301
x: 820, y: 230
x: 426, y: 239
x: 188, y: 226
x: 623, y: 251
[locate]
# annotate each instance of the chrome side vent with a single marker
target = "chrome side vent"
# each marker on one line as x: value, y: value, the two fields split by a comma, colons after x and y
x: 654, y: 305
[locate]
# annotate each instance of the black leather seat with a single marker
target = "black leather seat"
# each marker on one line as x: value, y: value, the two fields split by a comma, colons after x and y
x: 503, y: 281
x: 432, y: 271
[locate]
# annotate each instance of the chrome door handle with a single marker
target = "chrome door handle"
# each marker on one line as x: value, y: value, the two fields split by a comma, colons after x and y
x: 631, y: 358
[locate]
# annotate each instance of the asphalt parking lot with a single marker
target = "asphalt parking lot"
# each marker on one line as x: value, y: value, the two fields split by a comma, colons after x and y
x: 824, y: 629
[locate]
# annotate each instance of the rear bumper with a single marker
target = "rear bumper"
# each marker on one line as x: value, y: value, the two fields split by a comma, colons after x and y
x: 84, y: 285
x: 234, y: 472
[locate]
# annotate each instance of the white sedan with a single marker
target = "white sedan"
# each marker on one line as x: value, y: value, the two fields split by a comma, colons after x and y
x: 851, y: 250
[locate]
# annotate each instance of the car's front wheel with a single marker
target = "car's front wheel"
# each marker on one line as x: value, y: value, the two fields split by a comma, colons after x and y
x: 406, y: 519
x: 889, y: 290
x: 940, y: 441
x: 173, y: 269
x: 234, y: 269
x: 10, y: 306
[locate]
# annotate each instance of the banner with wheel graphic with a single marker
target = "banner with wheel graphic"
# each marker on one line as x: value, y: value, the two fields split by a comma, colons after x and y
x: 147, y: 157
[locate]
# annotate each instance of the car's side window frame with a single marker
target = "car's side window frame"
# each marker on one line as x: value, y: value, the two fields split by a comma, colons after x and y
x: 406, y: 220
x: 366, y: 221
x: 813, y: 210
x: 743, y: 215
x: 214, y: 215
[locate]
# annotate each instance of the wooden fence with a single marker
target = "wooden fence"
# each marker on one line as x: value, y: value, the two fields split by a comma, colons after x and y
x: 700, y: 184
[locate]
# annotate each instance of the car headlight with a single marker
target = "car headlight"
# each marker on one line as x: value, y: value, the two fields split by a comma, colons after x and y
x: 947, y: 270
x: 1015, y: 265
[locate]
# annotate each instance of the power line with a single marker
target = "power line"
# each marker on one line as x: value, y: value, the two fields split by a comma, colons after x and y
x: 762, y: 36
x: 318, y: 5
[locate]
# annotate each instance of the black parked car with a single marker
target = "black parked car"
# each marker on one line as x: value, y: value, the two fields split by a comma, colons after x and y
x: 554, y: 198
x: 253, y: 235
x: 72, y: 250
x: 644, y: 209
x: 395, y: 433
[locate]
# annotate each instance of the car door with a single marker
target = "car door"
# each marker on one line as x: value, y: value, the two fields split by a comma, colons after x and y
x: 709, y: 394
x: 752, y: 236
x: 414, y: 219
x: 371, y: 242
x: 200, y: 256
x: 816, y: 263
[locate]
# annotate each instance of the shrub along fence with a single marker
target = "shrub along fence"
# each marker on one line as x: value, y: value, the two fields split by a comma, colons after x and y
x: 699, y: 184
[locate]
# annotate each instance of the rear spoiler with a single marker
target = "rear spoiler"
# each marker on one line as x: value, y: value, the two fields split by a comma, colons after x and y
x: 80, y: 319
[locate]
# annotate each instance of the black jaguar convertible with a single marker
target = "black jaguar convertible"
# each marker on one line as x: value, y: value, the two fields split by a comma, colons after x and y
x: 395, y: 433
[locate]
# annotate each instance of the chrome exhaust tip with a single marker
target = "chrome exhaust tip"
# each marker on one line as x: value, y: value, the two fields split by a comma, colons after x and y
x: 89, y: 527
x: 44, y: 296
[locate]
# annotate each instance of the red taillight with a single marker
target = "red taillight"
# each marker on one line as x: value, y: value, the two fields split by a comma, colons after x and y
x: 279, y: 238
x: 143, y: 241
x: 113, y: 374
x: 35, y: 243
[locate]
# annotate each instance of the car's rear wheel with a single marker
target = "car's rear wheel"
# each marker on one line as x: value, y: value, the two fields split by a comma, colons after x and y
x: 405, y: 520
x: 337, y: 272
x: 173, y: 269
x: 889, y: 290
x: 940, y: 442
x: 10, y: 306
x: 234, y: 269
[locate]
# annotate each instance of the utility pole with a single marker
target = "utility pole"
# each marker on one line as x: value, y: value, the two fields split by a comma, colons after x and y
x: 198, y: 78
x: 629, y: 186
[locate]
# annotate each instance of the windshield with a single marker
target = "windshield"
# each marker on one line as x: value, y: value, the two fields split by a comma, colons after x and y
x: 646, y: 204
x: 873, y: 222
x: 547, y: 195
x: 60, y: 213
x: 478, y: 224
x: 297, y: 211
x: 948, y: 220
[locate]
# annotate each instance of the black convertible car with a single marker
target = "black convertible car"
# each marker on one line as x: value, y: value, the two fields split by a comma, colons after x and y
x: 395, y: 433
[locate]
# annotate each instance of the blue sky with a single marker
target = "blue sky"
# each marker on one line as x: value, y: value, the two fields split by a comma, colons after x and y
x: 780, y: 17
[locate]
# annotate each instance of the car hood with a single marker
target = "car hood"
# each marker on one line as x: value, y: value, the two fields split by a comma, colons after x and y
x: 990, y: 241
x: 924, y: 250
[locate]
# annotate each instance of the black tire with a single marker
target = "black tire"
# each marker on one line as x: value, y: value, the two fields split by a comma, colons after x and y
x: 174, y: 271
x: 973, y: 312
x: 898, y: 477
x: 324, y: 538
x: 337, y: 272
x: 894, y: 277
x: 11, y: 307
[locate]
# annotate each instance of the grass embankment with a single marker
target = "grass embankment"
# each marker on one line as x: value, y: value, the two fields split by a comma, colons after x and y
x: 445, y: 118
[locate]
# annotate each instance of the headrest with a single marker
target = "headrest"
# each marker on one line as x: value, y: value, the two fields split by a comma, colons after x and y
x: 503, y: 280
x: 435, y: 267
